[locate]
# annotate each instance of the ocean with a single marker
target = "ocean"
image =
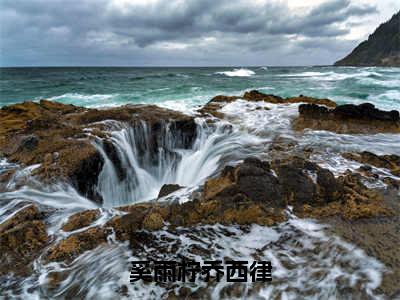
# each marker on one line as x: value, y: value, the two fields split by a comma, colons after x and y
x: 185, y: 88
x: 308, y: 260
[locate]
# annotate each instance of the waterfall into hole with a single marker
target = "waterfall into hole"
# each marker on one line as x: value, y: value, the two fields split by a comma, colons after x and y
x: 138, y: 161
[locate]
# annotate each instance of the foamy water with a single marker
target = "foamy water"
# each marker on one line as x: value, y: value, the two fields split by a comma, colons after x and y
x: 336, y: 270
x: 238, y: 73
x: 186, y: 88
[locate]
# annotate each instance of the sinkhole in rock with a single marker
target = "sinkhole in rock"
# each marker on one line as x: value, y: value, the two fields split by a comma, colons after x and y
x: 139, y: 160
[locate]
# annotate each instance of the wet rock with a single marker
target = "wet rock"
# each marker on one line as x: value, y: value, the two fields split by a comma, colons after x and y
x: 304, y: 182
x: 365, y: 111
x: 254, y: 192
x: 81, y: 219
x: 130, y: 222
x: 29, y: 142
x: 356, y: 202
x: 216, y: 103
x: 391, y: 182
x: 253, y: 179
x: 30, y: 133
x: 349, y: 118
x: 293, y: 181
x: 167, y: 189
x: 379, y: 237
x: 258, y: 96
x: 27, y: 213
x: 112, y: 154
x: 5, y: 178
x: 390, y: 162
x: 76, y: 244
x: 22, y: 237
x: 153, y: 221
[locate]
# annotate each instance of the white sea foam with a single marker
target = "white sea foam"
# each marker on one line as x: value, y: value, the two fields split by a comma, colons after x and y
x: 332, y: 76
x: 298, y: 270
x: 183, y: 105
x: 94, y: 100
x: 238, y: 73
x: 393, y: 83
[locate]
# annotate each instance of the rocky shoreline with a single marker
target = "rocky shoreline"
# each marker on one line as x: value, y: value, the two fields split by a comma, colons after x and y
x: 60, y: 140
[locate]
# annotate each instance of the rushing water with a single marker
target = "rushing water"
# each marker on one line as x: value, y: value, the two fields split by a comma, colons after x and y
x: 183, y: 88
x: 307, y: 261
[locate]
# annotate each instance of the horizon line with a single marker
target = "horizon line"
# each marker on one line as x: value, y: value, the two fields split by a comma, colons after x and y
x: 174, y: 66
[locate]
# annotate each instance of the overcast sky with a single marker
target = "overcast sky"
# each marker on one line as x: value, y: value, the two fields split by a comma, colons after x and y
x: 185, y: 32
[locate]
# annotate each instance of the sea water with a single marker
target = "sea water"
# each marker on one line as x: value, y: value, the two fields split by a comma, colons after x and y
x: 336, y: 270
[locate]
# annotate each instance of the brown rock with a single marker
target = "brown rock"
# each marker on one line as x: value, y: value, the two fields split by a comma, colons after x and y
x: 81, y: 219
x: 390, y: 162
x: 20, y: 245
x: 76, y: 244
x: 349, y: 118
x: 153, y: 221
x: 30, y: 133
x: 216, y: 103
x: 258, y: 96
x: 167, y: 189
x: 27, y: 213
x: 254, y: 192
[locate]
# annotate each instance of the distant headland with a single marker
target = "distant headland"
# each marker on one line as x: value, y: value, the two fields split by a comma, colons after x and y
x: 381, y: 49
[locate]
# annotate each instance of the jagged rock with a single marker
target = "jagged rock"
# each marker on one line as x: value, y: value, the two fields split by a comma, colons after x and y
x: 78, y: 243
x: 167, y: 189
x: 30, y: 133
x: 216, y: 103
x: 29, y: 142
x: 112, y: 154
x: 304, y: 182
x: 22, y: 237
x: 391, y: 182
x: 258, y: 96
x: 357, y: 202
x: 349, y: 118
x: 5, y: 177
x: 254, y: 192
x: 28, y: 213
x: 153, y: 221
x: 390, y: 162
x: 81, y: 219
x: 253, y: 180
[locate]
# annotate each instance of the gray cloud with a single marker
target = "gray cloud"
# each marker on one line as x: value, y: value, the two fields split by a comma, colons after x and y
x: 191, y: 32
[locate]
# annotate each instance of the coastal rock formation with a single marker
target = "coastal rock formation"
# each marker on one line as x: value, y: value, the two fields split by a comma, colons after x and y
x: 81, y: 219
x: 381, y: 49
x: 22, y: 237
x: 348, y: 118
x: 167, y: 189
x: 60, y: 137
x: 390, y: 162
x: 216, y: 103
x: 254, y: 192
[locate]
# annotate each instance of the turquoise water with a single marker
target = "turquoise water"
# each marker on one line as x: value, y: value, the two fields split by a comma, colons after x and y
x: 184, y: 88
x: 104, y: 271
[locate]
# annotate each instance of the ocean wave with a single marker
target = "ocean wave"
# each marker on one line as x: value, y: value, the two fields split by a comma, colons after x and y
x: 388, y: 100
x: 333, y: 76
x: 386, y: 83
x: 87, y: 100
x: 162, y: 75
x: 238, y: 73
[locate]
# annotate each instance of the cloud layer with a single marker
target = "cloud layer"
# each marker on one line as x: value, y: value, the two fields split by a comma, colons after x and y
x: 177, y: 32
